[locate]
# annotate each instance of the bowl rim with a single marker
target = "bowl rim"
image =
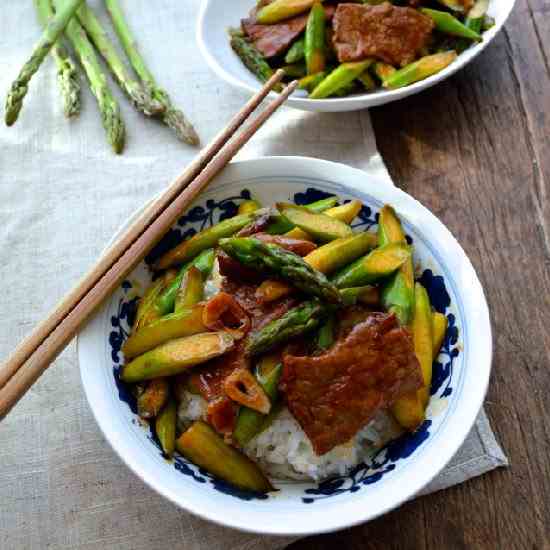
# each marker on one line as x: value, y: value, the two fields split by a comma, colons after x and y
x: 319, y: 520
x: 355, y: 102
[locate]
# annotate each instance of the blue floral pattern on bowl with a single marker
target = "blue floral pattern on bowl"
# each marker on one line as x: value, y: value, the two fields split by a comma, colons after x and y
x: 384, y: 460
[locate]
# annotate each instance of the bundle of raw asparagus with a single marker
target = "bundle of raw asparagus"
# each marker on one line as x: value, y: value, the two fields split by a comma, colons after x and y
x: 84, y: 31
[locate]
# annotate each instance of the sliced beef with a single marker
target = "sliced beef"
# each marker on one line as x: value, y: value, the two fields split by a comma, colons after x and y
x: 333, y: 395
x: 392, y: 34
x: 272, y: 40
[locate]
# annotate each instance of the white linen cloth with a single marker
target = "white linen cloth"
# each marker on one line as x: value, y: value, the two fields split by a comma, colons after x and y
x: 62, y: 195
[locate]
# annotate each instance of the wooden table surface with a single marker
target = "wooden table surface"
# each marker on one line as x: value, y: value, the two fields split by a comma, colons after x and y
x: 476, y: 151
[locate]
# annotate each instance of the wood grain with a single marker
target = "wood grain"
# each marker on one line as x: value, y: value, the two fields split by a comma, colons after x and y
x: 475, y: 150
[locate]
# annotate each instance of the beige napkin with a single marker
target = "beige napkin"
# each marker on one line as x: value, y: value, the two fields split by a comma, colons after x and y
x: 62, y: 195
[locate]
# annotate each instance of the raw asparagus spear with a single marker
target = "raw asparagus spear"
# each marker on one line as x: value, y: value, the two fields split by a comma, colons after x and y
x: 135, y: 91
x: 418, y: 70
x: 172, y: 117
x: 108, y: 106
x: 272, y: 259
x: 67, y: 73
x: 53, y: 30
x: 295, y: 322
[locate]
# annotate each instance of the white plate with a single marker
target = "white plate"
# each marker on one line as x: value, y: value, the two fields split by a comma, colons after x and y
x: 399, y: 471
x: 216, y: 17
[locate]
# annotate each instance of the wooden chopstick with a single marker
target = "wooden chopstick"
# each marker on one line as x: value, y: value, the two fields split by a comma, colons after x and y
x: 40, y: 333
x: 34, y: 355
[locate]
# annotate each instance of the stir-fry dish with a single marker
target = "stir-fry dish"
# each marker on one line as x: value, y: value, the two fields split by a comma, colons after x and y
x: 340, y: 48
x: 282, y: 343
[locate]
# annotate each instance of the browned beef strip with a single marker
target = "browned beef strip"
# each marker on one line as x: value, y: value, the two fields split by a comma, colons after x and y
x: 392, y: 34
x: 333, y: 395
x: 272, y: 40
x: 208, y: 380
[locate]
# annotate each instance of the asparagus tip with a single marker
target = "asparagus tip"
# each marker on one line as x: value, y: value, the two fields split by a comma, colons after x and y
x: 145, y: 102
x: 70, y: 87
x: 114, y: 125
x: 184, y: 130
x: 14, y: 103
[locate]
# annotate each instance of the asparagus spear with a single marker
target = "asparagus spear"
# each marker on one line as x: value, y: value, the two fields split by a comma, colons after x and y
x: 108, y: 106
x: 295, y: 322
x: 203, y: 262
x: 207, y: 238
x: 249, y: 206
x: 165, y: 426
x: 172, y: 117
x: 382, y: 70
x: 296, y: 52
x: 135, y: 91
x: 325, y: 335
x: 418, y: 70
x: 376, y: 265
x: 280, y: 224
x: 67, y: 73
x: 204, y: 447
x: 398, y: 291
x: 475, y: 17
x: 250, y: 422
x: 315, y: 39
x: 250, y: 56
x: 282, y: 9
x: 343, y: 75
x: 448, y: 24
x: 272, y: 259
x: 176, y: 356
x: 311, y: 81
x: 20, y: 86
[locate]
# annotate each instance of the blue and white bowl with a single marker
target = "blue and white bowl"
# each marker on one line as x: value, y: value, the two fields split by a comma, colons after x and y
x: 392, y: 474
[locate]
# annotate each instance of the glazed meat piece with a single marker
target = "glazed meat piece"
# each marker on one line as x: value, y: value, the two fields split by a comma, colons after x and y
x: 209, y: 380
x: 389, y: 33
x: 272, y: 40
x: 333, y: 395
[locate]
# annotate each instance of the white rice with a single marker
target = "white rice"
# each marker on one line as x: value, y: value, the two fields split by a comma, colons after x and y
x: 285, y: 452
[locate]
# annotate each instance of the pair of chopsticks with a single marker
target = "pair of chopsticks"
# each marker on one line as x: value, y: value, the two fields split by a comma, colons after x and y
x: 49, y: 338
